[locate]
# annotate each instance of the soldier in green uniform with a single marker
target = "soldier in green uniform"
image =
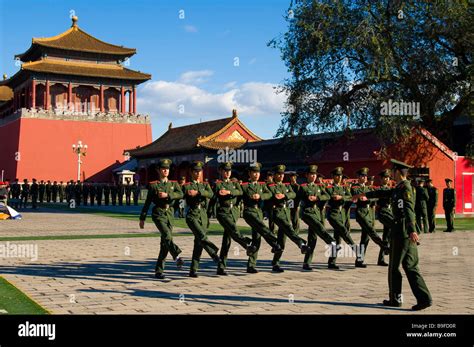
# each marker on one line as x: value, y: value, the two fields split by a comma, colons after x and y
x: 432, y: 204
x: 225, y: 195
x: 106, y: 194
x: 62, y: 189
x: 34, y: 190
x: 364, y: 218
x: 162, y: 193
x: 404, y: 240
x: 113, y: 193
x: 99, y: 193
x: 120, y: 192
x: 321, y: 203
x: 281, y: 193
x: 449, y: 204
x: 338, y: 196
x: 267, y: 205
x: 254, y: 193
x: 54, y: 191
x: 310, y: 194
x: 421, y: 206
x: 294, y: 204
x: 373, y: 203
x: 41, y: 189
x: 196, y: 193
x: 346, y: 208
x: 385, y: 214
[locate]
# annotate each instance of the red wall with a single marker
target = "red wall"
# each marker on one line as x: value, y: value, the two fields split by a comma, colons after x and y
x: 464, y: 174
x: 45, y: 147
x: 9, y: 141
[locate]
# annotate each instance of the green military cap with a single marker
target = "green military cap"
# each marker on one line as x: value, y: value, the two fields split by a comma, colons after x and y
x: 165, y: 163
x: 280, y: 168
x: 255, y: 167
x: 400, y: 165
x: 363, y: 172
x: 312, y: 169
x: 385, y: 173
x: 448, y: 180
x: 337, y: 171
x: 197, y: 165
x: 225, y: 166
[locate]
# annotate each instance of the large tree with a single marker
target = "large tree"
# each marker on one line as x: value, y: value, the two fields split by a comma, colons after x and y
x: 348, y: 58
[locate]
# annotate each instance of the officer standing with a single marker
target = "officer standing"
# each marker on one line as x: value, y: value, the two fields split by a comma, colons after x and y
x: 421, y: 206
x: 98, y: 193
x: 404, y: 240
x: 48, y: 191
x: 281, y: 193
x: 196, y: 193
x: 61, y: 191
x: 120, y: 192
x: 92, y: 192
x: 385, y: 214
x: 310, y: 194
x: 338, y: 196
x: 78, y: 192
x: 16, y: 192
x: 162, y: 193
x: 113, y: 193
x: 432, y: 204
x: 25, y: 192
x: 254, y: 194
x: 41, y: 191
x: 34, y: 190
x: 128, y: 192
x: 54, y: 191
x: 449, y: 204
x: 85, y: 192
x: 225, y: 195
x: 135, y: 192
x: 364, y: 218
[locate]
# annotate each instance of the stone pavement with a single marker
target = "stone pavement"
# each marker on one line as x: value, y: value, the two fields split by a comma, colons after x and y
x: 114, y: 276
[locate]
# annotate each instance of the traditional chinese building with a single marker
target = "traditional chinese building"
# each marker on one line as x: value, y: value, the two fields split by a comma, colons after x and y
x: 70, y: 87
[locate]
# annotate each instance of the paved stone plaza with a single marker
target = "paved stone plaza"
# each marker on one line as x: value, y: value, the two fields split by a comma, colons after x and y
x: 114, y: 275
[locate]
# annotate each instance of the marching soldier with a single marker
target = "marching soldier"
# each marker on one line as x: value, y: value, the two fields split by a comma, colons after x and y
x: 321, y: 203
x: 162, y: 193
x: 338, y: 196
x: 449, y: 204
x: 34, y: 194
x: 373, y: 203
x: 281, y: 193
x: 196, y: 194
x: 404, y: 240
x: 267, y: 204
x: 294, y: 206
x: 310, y: 194
x: 364, y: 218
x: 227, y: 213
x: 346, y: 208
x: 385, y: 214
x: 421, y: 206
x: 432, y: 205
x: 254, y: 193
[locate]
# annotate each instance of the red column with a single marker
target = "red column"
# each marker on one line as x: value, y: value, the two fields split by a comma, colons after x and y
x: 130, y: 102
x: 134, y: 100
x: 69, y: 97
x: 122, y: 100
x: 46, y: 103
x: 33, y: 94
x: 101, y: 98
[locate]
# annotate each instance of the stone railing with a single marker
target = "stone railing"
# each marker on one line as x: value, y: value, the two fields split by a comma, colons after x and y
x: 61, y: 114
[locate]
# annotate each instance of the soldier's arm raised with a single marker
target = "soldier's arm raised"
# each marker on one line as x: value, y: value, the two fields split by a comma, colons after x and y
x: 236, y: 190
x: 266, y: 193
x: 290, y: 194
x: 206, y: 191
x: 176, y: 193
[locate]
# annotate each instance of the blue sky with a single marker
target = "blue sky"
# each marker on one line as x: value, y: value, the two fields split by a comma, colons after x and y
x: 192, y: 60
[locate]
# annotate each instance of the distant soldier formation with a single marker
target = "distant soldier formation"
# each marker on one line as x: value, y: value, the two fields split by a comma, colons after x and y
x: 25, y: 194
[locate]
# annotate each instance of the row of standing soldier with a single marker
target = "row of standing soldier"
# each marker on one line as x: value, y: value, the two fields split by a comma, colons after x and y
x: 72, y: 192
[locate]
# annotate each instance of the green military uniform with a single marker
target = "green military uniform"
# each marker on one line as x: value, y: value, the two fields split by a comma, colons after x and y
x: 253, y: 215
x: 432, y: 205
x: 267, y: 205
x: 197, y: 220
x: 282, y: 218
x: 336, y: 215
x: 162, y: 215
x: 449, y: 204
x: 227, y: 214
x: 364, y: 219
x: 404, y: 251
x: 385, y: 216
x: 346, y: 208
x: 294, y: 206
x: 322, y: 203
x: 373, y: 202
x: 421, y: 208
x: 311, y: 215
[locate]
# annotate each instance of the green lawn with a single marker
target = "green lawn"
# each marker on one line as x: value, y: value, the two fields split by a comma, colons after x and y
x: 14, y: 301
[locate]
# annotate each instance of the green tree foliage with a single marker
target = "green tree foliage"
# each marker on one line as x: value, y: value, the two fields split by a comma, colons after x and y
x: 347, y: 57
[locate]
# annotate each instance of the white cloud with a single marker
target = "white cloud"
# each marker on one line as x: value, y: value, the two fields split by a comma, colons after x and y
x: 195, y: 77
x: 162, y: 100
x: 190, y: 29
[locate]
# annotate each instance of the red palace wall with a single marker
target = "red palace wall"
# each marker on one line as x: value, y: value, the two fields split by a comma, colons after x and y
x: 45, y: 148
